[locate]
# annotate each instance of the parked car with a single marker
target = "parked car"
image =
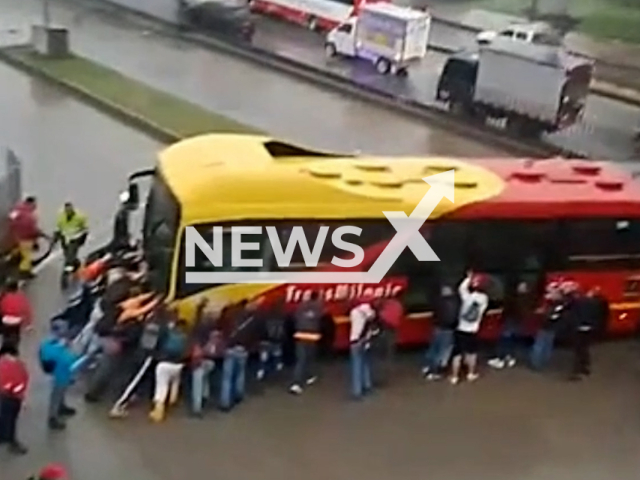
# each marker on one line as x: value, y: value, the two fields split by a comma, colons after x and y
x: 539, y: 32
x: 226, y: 18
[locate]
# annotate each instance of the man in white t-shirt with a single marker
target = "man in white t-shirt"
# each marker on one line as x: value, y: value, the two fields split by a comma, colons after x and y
x: 473, y: 305
x: 361, y: 317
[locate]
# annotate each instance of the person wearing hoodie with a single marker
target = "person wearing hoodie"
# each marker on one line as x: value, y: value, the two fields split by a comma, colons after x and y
x: 473, y: 305
x: 61, y: 363
x: 172, y: 354
x: 273, y: 335
x: 242, y: 337
x: 16, y: 314
x: 517, y: 309
x: 207, y: 348
x: 14, y: 382
x: 592, y: 312
x: 444, y: 322
x: 308, y: 318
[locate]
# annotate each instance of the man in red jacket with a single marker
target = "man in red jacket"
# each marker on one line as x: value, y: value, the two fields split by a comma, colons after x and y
x: 24, y: 227
x: 14, y: 380
x: 15, y: 313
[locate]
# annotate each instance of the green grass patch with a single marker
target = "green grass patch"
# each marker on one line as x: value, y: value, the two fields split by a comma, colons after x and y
x: 162, y: 109
x: 618, y: 24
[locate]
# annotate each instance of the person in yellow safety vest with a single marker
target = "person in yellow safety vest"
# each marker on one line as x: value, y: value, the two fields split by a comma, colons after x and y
x: 72, y: 230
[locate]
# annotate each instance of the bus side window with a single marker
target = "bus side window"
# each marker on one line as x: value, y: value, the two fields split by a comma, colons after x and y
x: 203, y: 264
x: 601, y: 244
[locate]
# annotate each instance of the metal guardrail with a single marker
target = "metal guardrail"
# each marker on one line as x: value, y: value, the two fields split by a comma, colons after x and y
x: 437, y: 116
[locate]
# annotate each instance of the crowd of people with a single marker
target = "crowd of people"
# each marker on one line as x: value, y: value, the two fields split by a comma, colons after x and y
x: 123, y: 342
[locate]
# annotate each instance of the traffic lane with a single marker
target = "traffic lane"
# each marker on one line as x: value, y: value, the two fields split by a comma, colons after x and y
x: 89, y: 448
x: 68, y: 150
x: 605, y: 131
x: 277, y: 103
x: 511, y: 424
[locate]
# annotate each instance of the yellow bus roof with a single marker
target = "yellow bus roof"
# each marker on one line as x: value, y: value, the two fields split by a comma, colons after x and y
x: 224, y: 177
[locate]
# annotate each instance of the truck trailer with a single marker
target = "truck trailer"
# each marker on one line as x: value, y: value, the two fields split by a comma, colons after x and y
x: 535, y: 88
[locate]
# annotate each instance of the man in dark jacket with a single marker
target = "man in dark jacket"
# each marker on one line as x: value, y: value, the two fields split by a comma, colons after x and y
x: 308, y: 318
x: 273, y: 335
x: 207, y: 348
x: 592, y: 312
x: 243, y: 335
x: 518, y: 307
x: 444, y: 323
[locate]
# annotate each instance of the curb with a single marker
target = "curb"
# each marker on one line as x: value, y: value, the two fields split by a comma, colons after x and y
x: 106, y: 106
x: 625, y: 95
x: 438, y: 117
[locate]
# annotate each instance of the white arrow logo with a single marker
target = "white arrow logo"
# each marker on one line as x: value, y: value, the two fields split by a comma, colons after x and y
x: 407, y: 235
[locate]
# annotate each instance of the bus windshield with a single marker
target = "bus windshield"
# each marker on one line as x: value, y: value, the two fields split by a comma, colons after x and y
x: 161, y: 223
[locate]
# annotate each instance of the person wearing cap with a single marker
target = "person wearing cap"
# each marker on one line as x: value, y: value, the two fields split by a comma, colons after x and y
x: 24, y: 229
x: 555, y: 312
x: 61, y: 363
x: 473, y: 305
x: 16, y: 314
x: 361, y: 316
x: 14, y: 381
x: 51, y: 472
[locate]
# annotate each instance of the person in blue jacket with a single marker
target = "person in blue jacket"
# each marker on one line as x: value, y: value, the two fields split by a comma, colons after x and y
x: 60, y: 362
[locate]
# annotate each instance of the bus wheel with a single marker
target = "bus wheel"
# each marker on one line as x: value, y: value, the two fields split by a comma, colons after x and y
x: 383, y: 66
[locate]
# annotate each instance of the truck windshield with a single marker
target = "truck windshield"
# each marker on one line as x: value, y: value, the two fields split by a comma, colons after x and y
x: 161, y: 222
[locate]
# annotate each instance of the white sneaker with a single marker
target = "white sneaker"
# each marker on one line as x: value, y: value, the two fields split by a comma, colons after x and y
x: 472, y: 377
x: 295, y: 389
x: 496, y: 363
x: 311, y: 380
x: 511, y: 362
x: 454, y: 380
x: 433, y: 376
x: 425, y: 371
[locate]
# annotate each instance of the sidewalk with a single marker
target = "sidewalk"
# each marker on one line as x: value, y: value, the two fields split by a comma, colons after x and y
x: 616, y: 62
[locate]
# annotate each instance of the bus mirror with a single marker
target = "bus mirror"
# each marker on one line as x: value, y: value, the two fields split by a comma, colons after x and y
x: 134, y: 195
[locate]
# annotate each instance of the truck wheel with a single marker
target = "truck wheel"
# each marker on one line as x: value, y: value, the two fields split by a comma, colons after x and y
x: 330, y: 50
x: 402, y: 72
x: 383, y: 66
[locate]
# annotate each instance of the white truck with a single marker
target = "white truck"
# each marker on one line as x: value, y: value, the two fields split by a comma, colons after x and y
x: 535, y: 88
x: 389, y: 36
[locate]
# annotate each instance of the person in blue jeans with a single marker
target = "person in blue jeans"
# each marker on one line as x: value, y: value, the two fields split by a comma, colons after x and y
x: 543, y: 344
x: 244, y: 334
x: 518, y: 308
x: 444, y: 321
x: 208, y: 346
x: 361, y: 317
x: 273, y: 335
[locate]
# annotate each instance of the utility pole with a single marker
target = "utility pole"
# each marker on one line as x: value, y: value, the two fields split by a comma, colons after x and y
x: 533, y: 9
x: 46, y: 13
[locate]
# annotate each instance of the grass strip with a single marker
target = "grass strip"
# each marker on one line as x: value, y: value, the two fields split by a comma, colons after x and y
x: 122, y: 94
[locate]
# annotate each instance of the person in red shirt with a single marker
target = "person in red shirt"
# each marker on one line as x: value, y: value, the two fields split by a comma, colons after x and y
x: 14, y: 381
x: 24, y: 228
x: 51, y: 472
x: 15, y: 313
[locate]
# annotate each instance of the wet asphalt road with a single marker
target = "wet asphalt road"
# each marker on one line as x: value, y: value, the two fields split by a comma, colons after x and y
x: 606, y: 131
x: 509, y: 425
x: 275, y: 103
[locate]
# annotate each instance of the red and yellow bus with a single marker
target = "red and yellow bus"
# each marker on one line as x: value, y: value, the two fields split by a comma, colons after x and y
x: 513, y: 219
